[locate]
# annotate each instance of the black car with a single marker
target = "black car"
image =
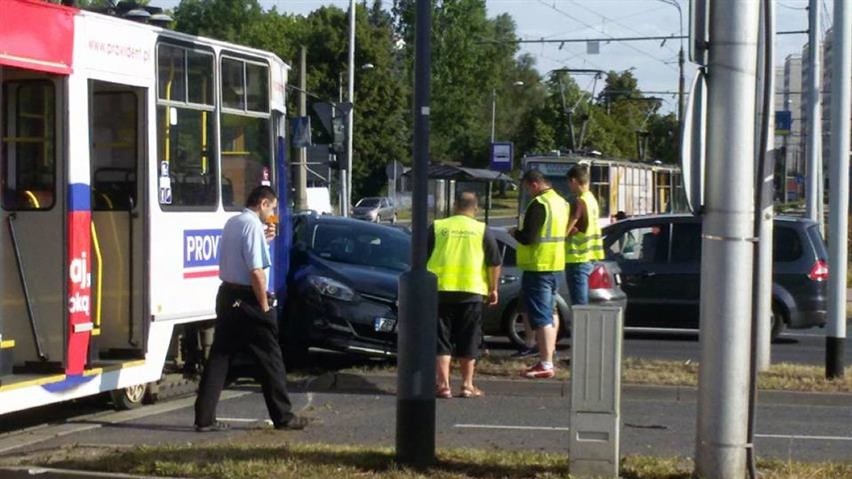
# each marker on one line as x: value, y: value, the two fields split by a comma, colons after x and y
x: 660, y: 260
x: 342, y: 291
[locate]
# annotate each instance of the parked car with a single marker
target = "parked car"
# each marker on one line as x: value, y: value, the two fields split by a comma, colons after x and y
x: 375, y: 209
x: 505, y: 319
x: 342, y: 292
x: 660, y: 261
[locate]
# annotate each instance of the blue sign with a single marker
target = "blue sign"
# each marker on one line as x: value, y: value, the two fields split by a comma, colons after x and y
x: 502, y: 153
x: 783, y: 122
x: 201, y: 248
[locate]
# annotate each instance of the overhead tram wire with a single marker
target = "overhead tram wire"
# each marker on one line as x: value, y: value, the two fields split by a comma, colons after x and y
x: 587, y: 25
x: 616, y: 22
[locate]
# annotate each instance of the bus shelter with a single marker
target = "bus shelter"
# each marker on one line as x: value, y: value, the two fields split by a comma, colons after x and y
x: 453, y: 174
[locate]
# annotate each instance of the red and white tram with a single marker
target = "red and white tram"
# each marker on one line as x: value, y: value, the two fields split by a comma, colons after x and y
x: 125, y: 147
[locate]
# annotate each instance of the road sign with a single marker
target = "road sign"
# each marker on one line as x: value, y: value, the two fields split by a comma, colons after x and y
x: 502, y: 153
x: 692, y: 147
x: 783, y: 122
x: 394, y: 170
x: 301, y: 132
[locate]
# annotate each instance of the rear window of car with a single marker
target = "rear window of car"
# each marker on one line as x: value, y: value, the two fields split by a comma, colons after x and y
x: 816, y: 239
x: 787, y: 246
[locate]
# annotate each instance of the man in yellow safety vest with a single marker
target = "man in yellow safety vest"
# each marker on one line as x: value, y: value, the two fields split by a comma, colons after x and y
x: 465, y: 257
x: 584, y: 245
x: 541, y: 257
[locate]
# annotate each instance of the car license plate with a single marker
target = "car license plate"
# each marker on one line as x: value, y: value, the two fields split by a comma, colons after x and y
x: 384, y: 325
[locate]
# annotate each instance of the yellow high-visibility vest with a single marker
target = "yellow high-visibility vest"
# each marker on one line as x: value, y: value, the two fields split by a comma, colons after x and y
x: 458, y: 258
x: 548, y: 253
x: 586, y: 246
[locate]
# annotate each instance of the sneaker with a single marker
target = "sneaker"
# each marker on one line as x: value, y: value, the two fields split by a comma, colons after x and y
x: 215, y: 427
x: 538, y: 372
x: 526, y: 352
x: 297, y: 423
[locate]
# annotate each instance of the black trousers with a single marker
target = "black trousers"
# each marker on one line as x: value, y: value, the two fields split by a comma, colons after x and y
x: 241, y: 326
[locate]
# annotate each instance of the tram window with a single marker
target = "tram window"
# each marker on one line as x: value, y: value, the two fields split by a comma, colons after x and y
x: 245, y: 86
x: 233, y: 81
x: 114, y: 150
x: 246, y: 161
x: 185, y: 145
x: 29, y: 145
x: 200, y: 77
x: 257, y: 88
x: 171, y: 63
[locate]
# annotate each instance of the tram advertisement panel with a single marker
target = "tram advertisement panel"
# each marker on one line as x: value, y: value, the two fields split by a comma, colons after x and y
x: 79, y: 279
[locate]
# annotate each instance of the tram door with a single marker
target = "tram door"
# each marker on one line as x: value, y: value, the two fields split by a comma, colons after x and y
x: 32, y: 196
x: 117, y: 149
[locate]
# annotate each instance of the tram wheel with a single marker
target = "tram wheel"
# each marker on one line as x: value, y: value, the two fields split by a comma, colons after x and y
x: 129, y: 397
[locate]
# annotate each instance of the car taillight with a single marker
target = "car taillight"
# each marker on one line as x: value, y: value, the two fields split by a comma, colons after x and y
x: 599, y: 279
x: 819, y: 271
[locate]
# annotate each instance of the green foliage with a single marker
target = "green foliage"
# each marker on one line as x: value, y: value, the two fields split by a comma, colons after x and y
x: 475, y: 66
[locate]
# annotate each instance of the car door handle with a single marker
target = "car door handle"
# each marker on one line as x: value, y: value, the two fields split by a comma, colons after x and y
x: 648, y: 274
x: 508, y: 279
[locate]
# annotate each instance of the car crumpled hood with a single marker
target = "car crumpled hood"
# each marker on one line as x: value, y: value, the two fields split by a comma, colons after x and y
x: 362, y: 279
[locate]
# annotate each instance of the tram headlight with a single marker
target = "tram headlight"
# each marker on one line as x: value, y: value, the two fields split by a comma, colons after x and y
x: 331, y: 288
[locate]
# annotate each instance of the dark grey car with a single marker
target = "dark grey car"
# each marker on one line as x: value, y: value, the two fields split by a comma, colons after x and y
x: 660, y: 260
x: 342, y: 287
x: 505, y: 318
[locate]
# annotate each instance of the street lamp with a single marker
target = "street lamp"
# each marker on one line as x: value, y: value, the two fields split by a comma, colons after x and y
x: 680, y: 61
x: 346, y: 173
x: 494, y: 106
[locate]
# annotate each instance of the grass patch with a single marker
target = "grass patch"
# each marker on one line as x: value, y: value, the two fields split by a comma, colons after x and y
x: 783, y: 377
x: 270, y: 457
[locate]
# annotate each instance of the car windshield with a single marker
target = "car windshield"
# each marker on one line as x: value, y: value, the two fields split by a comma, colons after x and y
x: 368, y: 203
x: 368, y: 245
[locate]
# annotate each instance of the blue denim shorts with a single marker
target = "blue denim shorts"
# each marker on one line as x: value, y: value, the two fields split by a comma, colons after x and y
x: 538, y: 297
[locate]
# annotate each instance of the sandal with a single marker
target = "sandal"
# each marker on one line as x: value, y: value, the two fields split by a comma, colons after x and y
x: 471, y: 392
x: 443, y: 393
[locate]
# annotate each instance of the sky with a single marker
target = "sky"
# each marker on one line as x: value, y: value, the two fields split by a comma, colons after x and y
x: 654, y: 64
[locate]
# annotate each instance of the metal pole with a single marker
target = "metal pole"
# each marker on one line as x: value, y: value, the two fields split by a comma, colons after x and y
x: 727, y: 235
x: 302, y: 170
x: 765, y: 196
x: 841, y: 95
x: 680, y: 84
x: 814, y: 145
x: 493, y: 111
x: 418, y: 288
x: 350, y: 120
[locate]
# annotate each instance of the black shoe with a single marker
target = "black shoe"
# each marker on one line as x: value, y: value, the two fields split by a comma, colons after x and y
x: 297, y: 423
x: 526, y: 352
x: 216, y: 426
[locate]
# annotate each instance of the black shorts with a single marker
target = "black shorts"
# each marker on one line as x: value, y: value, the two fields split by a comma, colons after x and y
x: 460, y: 329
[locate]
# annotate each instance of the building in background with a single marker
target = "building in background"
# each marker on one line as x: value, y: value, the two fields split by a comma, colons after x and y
x: 790, y: 145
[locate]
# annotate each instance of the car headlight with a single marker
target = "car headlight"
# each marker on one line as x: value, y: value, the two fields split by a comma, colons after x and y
x: 331, y: 288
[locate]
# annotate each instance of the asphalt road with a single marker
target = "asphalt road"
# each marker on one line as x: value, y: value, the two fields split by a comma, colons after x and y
x: 514, y: 415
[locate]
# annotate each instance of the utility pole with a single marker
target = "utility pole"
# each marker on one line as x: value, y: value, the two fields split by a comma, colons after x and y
x: 727, y: 236
x: 350, y: 119
x: 493, y: 111
x: 764, y: 198
x: 302, y: 169
x: 814, y: 141
x: 418, y: 288
x: 839, y: 193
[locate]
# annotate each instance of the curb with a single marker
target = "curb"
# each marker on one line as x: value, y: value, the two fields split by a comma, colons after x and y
x: 385, y: 384
x: 51, y: 473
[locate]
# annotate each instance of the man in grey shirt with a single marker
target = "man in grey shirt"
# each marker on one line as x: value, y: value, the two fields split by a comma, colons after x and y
x: 246, y: 318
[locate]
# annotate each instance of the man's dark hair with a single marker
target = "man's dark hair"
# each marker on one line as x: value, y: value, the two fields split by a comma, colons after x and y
x: 466, y: 200
x: 534, y: 176
x: 579, y: 172
x: 259, y: 194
